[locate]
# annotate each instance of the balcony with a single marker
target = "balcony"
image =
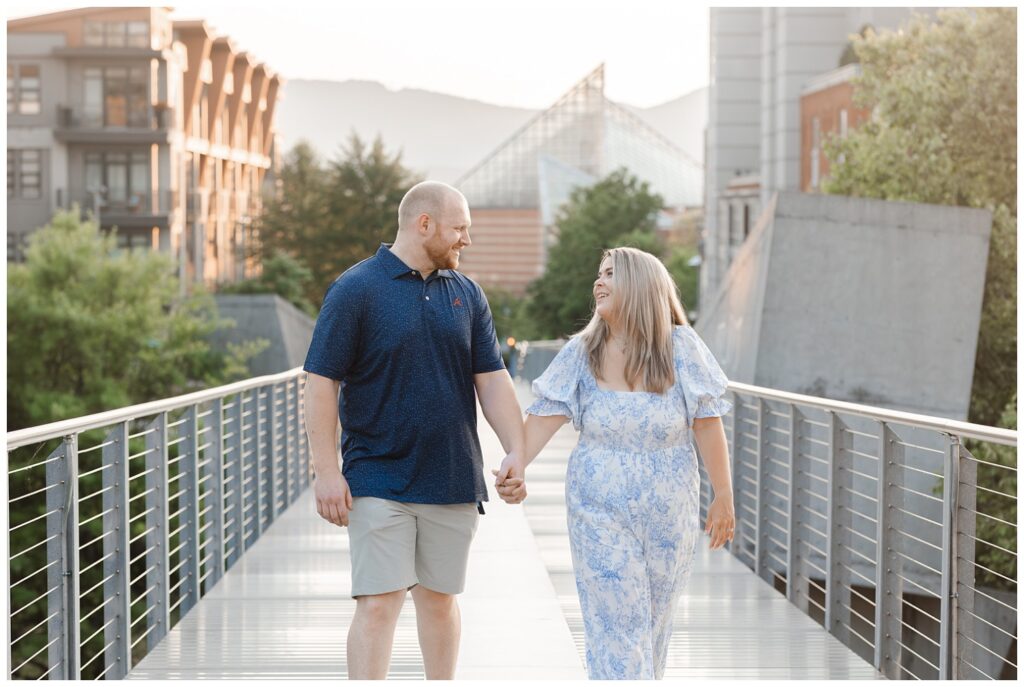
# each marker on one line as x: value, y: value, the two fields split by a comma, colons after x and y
x: 152, y: 209
x: 75, y: 125
x: 110, y: 51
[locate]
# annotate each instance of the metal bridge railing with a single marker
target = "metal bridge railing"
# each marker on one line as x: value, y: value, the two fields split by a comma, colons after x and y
x: 120, y: 522
x: 897, y: 532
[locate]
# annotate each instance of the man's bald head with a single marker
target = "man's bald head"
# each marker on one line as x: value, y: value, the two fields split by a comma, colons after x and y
x: 433, y: 198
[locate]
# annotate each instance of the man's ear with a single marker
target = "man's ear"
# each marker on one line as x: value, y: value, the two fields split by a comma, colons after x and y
x: 423, y: 223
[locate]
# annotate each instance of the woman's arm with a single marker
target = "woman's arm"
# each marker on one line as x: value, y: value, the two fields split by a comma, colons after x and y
x: 539, y: 430
x: 709, y: 434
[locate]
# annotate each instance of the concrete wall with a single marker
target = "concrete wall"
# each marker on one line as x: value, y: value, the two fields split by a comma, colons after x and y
x: 733, y: 131
x: 857, y: 300
x: 270, y: 317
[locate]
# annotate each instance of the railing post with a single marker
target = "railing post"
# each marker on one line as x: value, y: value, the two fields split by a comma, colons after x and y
x: 950, y: 484
x: 794, y: 581
x: 215, y: 493
x: 257, y: 450
x: 62, y: 506
x: 759, y: 463
x: 307, y: 459
x: 291, y: 415
x: 736, y: 545
x: 272, y: 449
x: 158, y: 598
x: 72, y: 601
x: 838, y: 559
x: 236, y: 476
x: 189, y: 466
x: 117, y: 616
x: 888, y: 589
x: 963, y: 597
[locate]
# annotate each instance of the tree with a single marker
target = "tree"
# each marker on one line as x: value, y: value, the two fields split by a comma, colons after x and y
x: 687, y: 278
x: 281, y: 274
x: 996, y: 534
x: 91, y: 329
x: 618, y: 210
x: 944, y: 131
x: 329, y: 218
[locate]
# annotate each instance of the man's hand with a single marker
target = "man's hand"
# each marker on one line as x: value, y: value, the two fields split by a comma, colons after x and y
x: 333, y: 498
x: 510, y: 480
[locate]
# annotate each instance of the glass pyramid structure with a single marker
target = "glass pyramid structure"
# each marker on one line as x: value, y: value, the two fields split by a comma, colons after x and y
x: 584, y: 135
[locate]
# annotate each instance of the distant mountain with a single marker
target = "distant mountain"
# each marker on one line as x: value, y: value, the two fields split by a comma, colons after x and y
x: 440, y: 136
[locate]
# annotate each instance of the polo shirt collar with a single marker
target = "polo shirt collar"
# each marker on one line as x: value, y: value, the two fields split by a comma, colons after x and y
x: 393, y: 265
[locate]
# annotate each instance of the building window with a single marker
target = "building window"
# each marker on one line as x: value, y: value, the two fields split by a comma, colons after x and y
x: 117, y: 34
x: 24, y: 89
x: 844, y: 123
x: 815, y: 152
x: 121, y: 178
x: 746, y: 221
x: 138, y: 34
x: 116, y: 96
x: 728, y: 220
x: 130, y: 240
x: 11, y: 166
x: 25, y: 174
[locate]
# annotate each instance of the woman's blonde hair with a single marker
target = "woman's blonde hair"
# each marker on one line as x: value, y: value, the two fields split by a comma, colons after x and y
x: 647, y: 305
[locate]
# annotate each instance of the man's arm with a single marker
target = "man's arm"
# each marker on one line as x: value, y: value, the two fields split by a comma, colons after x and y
x: 333, y: 498
x: 498, y: 400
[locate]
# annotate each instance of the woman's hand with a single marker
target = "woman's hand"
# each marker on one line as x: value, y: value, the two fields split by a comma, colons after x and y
x: 510, y: 480
x: 721, y: 520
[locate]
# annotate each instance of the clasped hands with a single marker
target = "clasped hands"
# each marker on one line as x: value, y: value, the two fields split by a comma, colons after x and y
x: 510, y: 480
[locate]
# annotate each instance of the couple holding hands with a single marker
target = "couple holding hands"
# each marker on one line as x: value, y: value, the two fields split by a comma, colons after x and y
x: 405, y: 345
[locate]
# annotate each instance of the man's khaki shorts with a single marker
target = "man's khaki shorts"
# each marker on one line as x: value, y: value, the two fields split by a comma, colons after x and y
x: 397, y: 545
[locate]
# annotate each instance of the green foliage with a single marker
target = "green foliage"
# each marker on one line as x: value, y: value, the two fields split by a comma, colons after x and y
x: 849, y: 54
x: 618, y: 210
x: 281, y: 274
x: 90, y: 329
x: 944, y: 131
x: 511, y: 317
x: 997, y: 505
x: 331, y: 217
x: 686, y: 278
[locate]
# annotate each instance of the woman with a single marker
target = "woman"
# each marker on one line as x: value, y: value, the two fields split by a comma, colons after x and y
x: 637, y: 383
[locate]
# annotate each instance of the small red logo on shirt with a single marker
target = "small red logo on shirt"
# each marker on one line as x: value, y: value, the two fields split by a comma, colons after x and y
x: 457, y: 302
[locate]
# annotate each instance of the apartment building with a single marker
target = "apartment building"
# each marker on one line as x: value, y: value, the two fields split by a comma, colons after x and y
x: 159, y: 128
x: 827, y: 109
x: 769, y: 66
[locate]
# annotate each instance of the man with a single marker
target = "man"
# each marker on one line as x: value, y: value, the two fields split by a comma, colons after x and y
x: 408, y: 341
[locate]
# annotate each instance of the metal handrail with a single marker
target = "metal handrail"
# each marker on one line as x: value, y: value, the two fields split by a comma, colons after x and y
x: 157, y: 500
x: 54, y: 430
x: 968, y: 430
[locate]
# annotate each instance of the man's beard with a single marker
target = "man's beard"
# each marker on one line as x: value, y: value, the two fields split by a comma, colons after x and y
x: 441, y: 257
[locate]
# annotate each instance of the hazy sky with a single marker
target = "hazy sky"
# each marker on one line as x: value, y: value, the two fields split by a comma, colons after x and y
x: 524, y: 52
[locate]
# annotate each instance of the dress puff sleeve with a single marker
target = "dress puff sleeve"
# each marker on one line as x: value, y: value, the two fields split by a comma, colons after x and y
x: 704, y: 383
x: 557, y: 390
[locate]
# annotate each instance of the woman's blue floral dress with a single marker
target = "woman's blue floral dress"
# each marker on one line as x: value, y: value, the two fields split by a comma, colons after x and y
x: 632, y: 490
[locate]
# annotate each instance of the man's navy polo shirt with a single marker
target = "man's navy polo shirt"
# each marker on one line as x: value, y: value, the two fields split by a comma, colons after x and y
x: 406, y: 350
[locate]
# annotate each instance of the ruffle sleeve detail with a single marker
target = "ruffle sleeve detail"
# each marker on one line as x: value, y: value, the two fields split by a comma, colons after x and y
x: 557, y: 390
x: 703, y: 381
